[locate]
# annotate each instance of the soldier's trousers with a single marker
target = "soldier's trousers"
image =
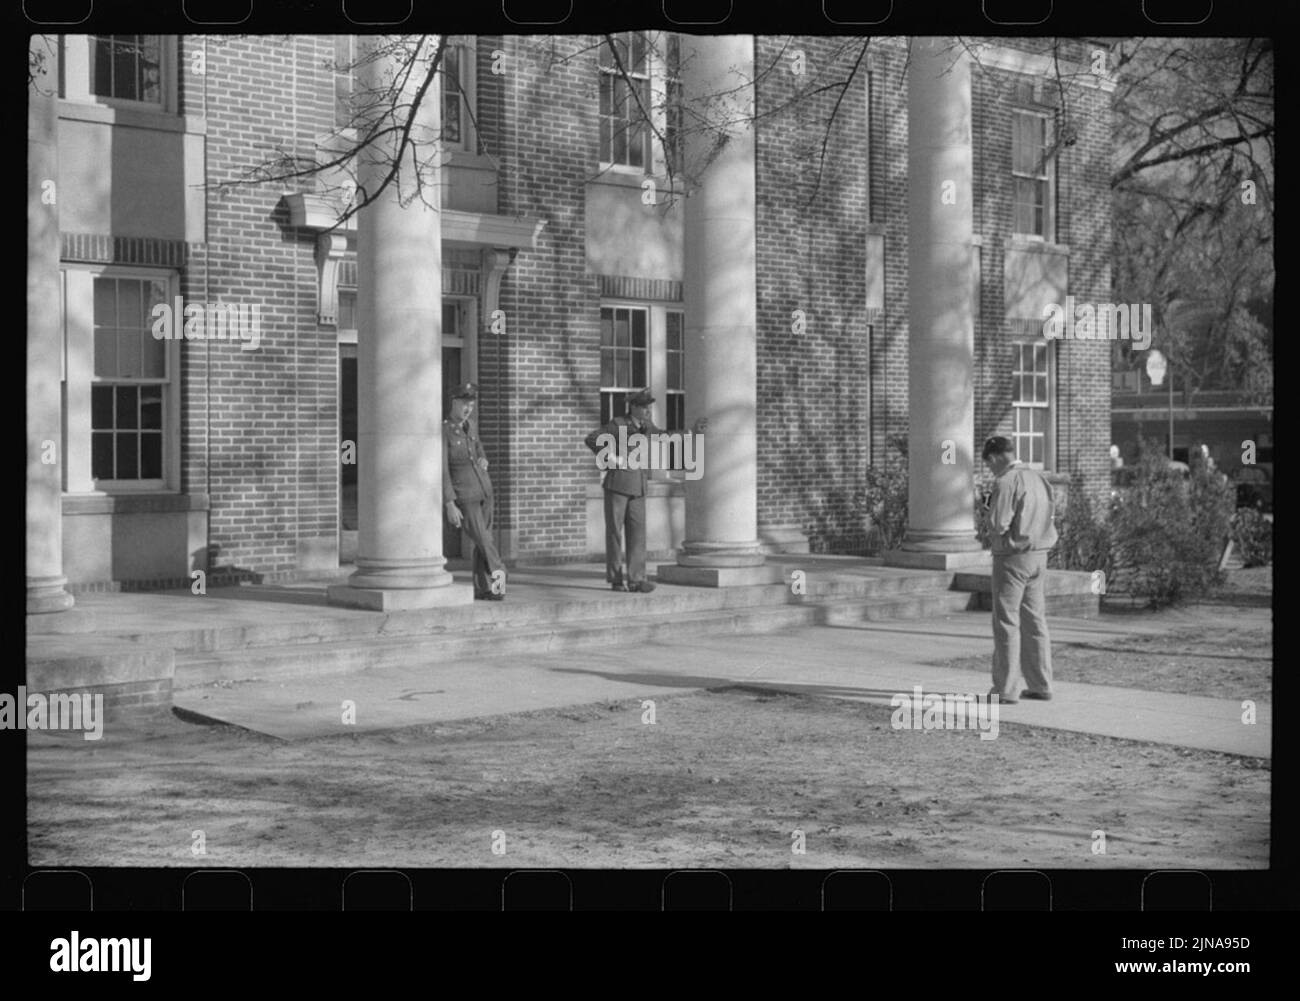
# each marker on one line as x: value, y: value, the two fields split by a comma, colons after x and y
x: 1021, y: 646
x: 476, y: 523
x: 624, y: 522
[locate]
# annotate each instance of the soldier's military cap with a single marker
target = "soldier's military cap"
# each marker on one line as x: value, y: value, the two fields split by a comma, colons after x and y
x: 642, y: 399
x: 465, y: 391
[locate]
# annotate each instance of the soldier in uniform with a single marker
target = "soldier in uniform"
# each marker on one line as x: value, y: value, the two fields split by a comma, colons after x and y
x: 467, y: 491
x: 625, y: 491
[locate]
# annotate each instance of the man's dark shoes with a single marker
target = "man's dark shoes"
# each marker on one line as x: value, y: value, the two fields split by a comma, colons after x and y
x: 618, y: 585
x: 643, y: 586
x: 1038, y: 696
x: 493, y: 596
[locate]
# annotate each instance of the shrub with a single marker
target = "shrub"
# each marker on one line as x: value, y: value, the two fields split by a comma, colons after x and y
x: 1167, y: 532
x: 1085, y: 541
x: 1252, y: 534
x: 883, y: 504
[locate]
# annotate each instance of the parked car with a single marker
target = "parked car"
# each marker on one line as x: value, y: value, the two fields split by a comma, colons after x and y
x: 1255, y: 487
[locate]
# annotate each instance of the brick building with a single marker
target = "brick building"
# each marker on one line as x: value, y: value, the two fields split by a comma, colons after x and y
x: 775, y: 299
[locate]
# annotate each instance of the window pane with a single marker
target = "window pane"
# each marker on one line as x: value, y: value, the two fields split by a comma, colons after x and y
x: 101, y: 455
x: 638, y: 52
x: 130, y: 363
x: 606, y: 327
x: 150, y: 70
x: 621, y: 336
x: 151, y: 407
x: 101, y: 407
x: 606, y: 93
x: 1037, y: 450
x: 607, y: 368
x: 638, y: 328
x: 636, y: 145
x: 128, y: 457
x: 106, y: 353
x: 1039, y: 420
x: 347, y: 311
x: 675, y: 371
x: 102, y: 57
x: 151, y: 456
x: 623, y: 370
x: 638, y: 368
x: 619, y: 152
x: 606, y: 147
x: 1040, y: 389
x: 128, y: 402
x: 105, y: 302
x: 130, y: 313
x: 124, y: 70
x: 674, y: 331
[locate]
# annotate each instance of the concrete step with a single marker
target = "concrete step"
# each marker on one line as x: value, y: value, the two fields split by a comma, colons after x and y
x: 315, y: 623
x: 369, y: 653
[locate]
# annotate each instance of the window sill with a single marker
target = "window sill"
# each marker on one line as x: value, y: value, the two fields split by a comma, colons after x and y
x: 634, y: 177
x: 1035, y: 244
x: 134, y: 118
x: 133, y: 503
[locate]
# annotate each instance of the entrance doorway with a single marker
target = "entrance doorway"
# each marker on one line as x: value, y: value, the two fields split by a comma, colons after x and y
x: 458, y: 367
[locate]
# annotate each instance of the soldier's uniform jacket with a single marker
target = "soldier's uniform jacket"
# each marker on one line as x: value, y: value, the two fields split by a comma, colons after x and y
x: 462, y: 477
x: 622, y: 481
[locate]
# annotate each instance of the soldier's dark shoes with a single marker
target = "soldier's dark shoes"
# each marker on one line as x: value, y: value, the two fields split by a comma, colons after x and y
x: 496, y: 597
x: 1039, y: 696
x: 618, y: 586
x: 643, y: 586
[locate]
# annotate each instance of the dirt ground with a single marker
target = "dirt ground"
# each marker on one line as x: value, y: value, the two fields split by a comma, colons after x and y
x: 722, y: 778
x: 1217, y: 661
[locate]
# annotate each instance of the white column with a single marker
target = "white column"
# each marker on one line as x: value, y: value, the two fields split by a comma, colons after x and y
x: 44, y: 550
x: 721, y: 297
x: 941, y: 310
x: 400, y: 563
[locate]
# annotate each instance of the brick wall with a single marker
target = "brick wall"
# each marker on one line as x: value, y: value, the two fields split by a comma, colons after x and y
x: 542, y: 377
x: 1082, y: 368
x: 260, y: 428
x: 813, y: 386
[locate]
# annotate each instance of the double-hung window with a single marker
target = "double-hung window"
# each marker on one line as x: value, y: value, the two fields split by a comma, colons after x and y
x: 641, y: 94
x: 129, y: 71
x: 1032, y: 402
x: 1033, y: 171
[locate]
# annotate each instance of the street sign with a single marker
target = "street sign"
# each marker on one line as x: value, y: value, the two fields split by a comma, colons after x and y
x: 1156, y: 367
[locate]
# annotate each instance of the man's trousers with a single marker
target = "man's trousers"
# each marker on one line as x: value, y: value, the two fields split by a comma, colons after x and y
x: 1021, y: 646
x: 624, y: 521
x: 477, y: 524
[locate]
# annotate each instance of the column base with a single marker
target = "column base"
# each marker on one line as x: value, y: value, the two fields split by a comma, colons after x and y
x: 698, y: 576
x: 925, y: 560
x: 46, y: 594
x: 392, y: 599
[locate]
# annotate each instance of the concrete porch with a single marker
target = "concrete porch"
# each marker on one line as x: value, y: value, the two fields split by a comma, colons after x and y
x: 289, y: 630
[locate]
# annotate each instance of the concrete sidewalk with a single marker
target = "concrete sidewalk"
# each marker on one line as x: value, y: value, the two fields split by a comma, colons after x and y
x: 869, y: 662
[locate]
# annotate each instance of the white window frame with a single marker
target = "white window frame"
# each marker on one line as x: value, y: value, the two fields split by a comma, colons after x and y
x: 79, y: 377
x: 1048, y: 177
x: 1049, y: 433
x: 467, y: 49
x: 656, y: 362
x: 74, y: 62
x: 657, y: 76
